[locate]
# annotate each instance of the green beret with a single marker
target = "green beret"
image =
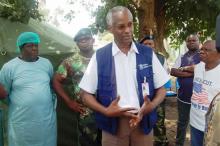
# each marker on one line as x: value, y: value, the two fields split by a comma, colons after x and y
x: 83, y: 32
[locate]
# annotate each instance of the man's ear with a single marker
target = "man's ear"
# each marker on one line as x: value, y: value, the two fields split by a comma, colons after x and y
x: 109, y: 28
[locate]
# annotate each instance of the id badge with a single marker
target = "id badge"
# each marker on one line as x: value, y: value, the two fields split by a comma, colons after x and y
x: 145, y: 88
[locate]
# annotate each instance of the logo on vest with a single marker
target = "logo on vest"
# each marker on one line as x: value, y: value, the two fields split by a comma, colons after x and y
x: 143, y: 66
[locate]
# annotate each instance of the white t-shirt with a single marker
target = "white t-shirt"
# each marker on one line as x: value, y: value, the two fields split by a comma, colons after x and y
x: 125, y: 68
x: 206, y: 85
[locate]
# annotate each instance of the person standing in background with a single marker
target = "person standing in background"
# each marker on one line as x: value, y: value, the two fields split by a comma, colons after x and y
x: 76, y: 123
x: 27, y: 78
x: 206, y: 86
x: 160, y: 138
x: 185, y: 80
x: 128, y: 80
x: 148, y: 40
x: 212, y: 131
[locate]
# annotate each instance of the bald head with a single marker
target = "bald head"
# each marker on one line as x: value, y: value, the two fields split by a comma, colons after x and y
x: 210, y: 45
x: 192, y: 36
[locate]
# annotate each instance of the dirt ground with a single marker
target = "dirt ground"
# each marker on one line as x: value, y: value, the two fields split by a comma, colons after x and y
x: 171, y: 121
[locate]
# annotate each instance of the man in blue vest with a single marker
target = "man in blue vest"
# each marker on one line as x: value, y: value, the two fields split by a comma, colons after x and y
x: 185, y: 80
x: 128, y: 80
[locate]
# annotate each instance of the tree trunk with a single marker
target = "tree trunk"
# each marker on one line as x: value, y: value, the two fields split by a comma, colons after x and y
x: 160, y: 27
x: 151, y: 18
x: 146, y: 17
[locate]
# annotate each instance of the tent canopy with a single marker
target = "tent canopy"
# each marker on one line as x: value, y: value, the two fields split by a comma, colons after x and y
x: 55, y: 45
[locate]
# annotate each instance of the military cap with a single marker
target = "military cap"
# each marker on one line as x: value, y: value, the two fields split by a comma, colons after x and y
x: 147, y: 37
x: 83, y: 32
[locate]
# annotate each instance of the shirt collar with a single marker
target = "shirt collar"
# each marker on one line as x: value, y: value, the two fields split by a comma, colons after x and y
x: 116, y: 50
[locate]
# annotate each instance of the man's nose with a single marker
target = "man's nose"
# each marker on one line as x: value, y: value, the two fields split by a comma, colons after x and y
x: 128, y: 29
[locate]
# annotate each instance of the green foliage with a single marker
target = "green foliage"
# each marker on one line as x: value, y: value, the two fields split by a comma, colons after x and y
x: 87, y: 4
x: 190, y: 16
x: 217, y: 2
x: 183, y: 17
x: 101, y: 12
x: 19, y: 10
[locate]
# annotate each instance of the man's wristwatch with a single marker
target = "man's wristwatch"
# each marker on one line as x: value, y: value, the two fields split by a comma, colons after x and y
x: 181, y: 68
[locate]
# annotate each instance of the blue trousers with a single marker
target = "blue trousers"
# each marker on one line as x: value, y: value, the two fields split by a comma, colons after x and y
x: 182, y: 123
x: 197, y: 137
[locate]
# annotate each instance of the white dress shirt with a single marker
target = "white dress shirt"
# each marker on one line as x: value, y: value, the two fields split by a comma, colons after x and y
x: 125, y: 69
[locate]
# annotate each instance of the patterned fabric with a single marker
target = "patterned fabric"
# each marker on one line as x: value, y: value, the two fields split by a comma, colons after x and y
x: 160, y: 138
x: 73, y: 69
x: 212, y: 131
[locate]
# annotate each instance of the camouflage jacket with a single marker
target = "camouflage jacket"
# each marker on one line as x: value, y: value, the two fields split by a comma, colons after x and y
x: 72, y: 69
x: 212, y: 132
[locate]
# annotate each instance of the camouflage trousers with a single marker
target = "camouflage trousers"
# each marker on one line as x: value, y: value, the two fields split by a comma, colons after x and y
x: 67, y: 125
x: 74, y: 130
x: 160, y: 138
x: 89, y: 134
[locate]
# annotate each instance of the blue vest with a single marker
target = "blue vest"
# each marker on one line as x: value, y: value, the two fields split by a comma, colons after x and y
x: 107, y: 88
x: 186, y: 84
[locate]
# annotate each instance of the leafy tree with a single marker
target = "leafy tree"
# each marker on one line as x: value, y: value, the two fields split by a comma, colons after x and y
x: 171, y: 18
x: 164, y: 18
x: 191, y: 16
x: 19, y: 10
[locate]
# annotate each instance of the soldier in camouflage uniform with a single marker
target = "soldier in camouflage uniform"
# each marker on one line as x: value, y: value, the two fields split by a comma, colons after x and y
x: 160, y: 138
x: 76, y: 123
